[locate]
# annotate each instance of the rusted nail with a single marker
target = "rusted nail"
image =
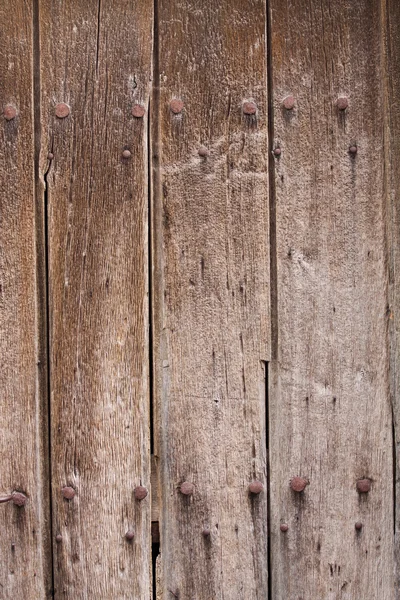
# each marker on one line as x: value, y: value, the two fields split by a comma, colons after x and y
x: 58, y: 538
x: 140, y: 492
x: 256, y: 487
x: 126, y: 154
x: 363, y: 486
x: 206, y: 532
x: 203, y: 151
x: 138, y: 111
x: 353, y: 149
x: 288, y: 102
x: 176, y: 106
x: 298, y: 484
x: 284, y: 527
x: 68, y: 492
x: 129, y: 535
x: 50, y: 155
x: 16, y: 498
x: 277, y: 151
x: 19, y: 499
x: 187, y: 488
x: 358, y: 525
x: 10, y: 112
x: 249, y: 108
x: 342, y: 103
x: 62, y: 110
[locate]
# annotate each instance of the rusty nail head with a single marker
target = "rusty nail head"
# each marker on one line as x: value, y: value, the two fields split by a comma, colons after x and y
x: 138, y: 111
x: 353, y: 149
x: 126, y: 154
x: 19, y: 499
x: 187, y: 488
x: 206, y: 532
x: 363, y: 486
x: 68, y: 492
x: 130, y: 534
x: 58, y: 538
x: 288, y: 102
x: 277, y: 151
x: 358, y: 525
x: 176, y: 106
x: 203, y: 151
x: 10, y: 112
x: 249, y: 108
x: 298, y: 484
x: 62, y: 110
x: 342, y: 103
x: 284, y: 527
x: 140, y: 492
x: 50, y: 156
x: 256, y: 487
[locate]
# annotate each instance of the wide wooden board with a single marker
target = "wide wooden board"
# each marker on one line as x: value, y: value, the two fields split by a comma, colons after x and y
x: 211, y: 296
x: 96, y: 58
x: 330, y: 411
x: 25, y: 570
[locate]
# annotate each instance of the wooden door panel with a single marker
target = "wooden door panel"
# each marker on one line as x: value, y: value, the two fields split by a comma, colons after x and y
x: 211, y: 296
x: 96, y: 70
x: 330, y: 411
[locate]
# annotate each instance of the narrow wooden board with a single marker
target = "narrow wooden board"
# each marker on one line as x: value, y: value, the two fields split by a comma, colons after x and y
x: 25, y: 569
x: 330, y: 413
x: 96, y: 57
x: 392, y: 82
x: 211, y: 297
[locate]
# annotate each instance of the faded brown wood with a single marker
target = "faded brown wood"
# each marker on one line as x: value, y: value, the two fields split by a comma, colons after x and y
x: 25, y: 571
x: 392, y: 83
x: 211, y: 296
x: 330, y: 413
x: 96, y: 58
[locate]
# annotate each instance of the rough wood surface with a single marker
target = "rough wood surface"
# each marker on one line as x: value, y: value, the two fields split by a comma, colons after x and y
x: 211, y: 296
x: 330, y: 413
x: 96, y: 58
x: 392, y: 83
x: 25, y: 570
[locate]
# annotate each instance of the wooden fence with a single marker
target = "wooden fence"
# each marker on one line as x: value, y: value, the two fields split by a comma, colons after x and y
x: 199, y: 309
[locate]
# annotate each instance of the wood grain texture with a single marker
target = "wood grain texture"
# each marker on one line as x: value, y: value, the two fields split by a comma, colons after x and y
x: 392, y: 121
x: 96, y: 57
x: 25, y: 570
x: 211, y: 297
x: 330, y: 413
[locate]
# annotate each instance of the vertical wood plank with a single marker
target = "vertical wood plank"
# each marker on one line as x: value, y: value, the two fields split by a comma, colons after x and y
x: 211, y: 296
x: 96, y: 58
x: 330, y: 412
x: 25, y: 570
x: 392, y: 81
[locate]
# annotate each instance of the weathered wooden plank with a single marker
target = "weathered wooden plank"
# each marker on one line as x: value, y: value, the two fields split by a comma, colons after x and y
x: 211, y: 296
x: 330, y: 413
x: 96, y: 59
x: 392, y: 83
x: 25, y: 570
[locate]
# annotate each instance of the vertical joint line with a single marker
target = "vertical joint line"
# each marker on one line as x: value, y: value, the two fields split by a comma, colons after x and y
x: 42, y: 275
x: 153, y: 108
x: 267, y: 445
x: 272, y: 193
x: 150, y: 279
x: 273, y: 276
